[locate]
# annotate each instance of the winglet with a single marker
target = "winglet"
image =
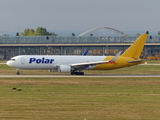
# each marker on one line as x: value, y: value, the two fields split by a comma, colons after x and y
x: 117, y: 55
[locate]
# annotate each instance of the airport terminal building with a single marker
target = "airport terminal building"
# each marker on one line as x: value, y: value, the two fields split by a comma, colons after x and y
x: 72, y: 45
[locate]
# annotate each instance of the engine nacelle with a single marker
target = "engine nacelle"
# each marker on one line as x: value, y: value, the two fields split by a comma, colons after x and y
x: 64, y: 68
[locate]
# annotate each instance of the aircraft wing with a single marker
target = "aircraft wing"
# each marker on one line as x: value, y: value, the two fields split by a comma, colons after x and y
x: 95, y: 63
x: 89, y: 63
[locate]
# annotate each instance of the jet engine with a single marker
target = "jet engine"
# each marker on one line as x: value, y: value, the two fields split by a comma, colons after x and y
x: 64, y: 68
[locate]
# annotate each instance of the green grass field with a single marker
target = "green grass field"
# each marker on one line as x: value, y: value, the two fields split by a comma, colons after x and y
x: 80, y: 98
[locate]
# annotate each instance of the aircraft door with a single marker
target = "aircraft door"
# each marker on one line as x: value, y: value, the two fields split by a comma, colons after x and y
x: 22, y: 61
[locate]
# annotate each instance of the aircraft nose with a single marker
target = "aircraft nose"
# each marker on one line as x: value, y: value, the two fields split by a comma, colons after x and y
x: 9, y: 63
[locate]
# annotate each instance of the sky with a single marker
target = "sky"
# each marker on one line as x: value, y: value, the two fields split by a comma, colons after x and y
x: 79, y: 15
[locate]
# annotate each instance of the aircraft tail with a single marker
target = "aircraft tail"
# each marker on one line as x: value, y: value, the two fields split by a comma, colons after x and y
x: 135, y: 50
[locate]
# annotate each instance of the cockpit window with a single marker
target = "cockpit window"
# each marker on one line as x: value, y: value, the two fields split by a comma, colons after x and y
x: 13, y: 59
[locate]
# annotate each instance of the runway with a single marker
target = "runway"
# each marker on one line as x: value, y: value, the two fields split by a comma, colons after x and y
x: 74, y: 76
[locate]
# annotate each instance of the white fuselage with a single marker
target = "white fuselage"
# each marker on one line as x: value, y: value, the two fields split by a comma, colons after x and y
x: 49, y: 61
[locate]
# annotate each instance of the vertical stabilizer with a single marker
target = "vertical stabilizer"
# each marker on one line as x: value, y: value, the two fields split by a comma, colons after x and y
x: 135, y: 50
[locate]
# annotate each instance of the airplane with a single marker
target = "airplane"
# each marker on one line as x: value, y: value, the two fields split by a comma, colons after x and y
x: 76, y: 64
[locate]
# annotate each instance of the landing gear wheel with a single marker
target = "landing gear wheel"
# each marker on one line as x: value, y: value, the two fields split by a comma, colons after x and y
x: 18, y: 73
x: 77, y: 73
x: 82, y: 73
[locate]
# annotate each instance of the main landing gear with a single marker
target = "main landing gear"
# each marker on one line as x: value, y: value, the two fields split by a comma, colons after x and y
x: 77, y: 73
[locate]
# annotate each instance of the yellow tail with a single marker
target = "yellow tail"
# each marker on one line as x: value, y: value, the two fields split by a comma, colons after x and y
x: 135, y: 50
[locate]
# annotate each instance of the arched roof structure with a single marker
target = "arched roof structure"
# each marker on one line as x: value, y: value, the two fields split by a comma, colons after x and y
x: 108, y: 28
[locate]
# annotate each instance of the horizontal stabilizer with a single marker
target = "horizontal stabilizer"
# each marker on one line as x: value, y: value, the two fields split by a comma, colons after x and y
x: 137, y: 61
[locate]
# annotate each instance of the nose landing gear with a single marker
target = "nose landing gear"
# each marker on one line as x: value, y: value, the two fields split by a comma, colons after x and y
x: 18, y: 71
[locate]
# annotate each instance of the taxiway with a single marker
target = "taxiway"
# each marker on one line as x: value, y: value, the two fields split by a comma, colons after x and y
x: 73, y: 76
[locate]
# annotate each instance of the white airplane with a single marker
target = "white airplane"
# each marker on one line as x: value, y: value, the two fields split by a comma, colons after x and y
x: 76, y: 64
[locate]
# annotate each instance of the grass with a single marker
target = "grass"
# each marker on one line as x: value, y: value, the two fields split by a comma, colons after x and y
x: 154, y: 61
x: 80, y: 98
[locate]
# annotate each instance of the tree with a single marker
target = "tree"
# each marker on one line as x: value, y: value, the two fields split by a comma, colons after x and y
x: 31, y: 32
x: 40, y: 31
x: 5, y: 35
x: 91, y: 34
x: 73, y: 34
x: 28, y: 32
x: 17, y: 34
x: 137, y: 34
